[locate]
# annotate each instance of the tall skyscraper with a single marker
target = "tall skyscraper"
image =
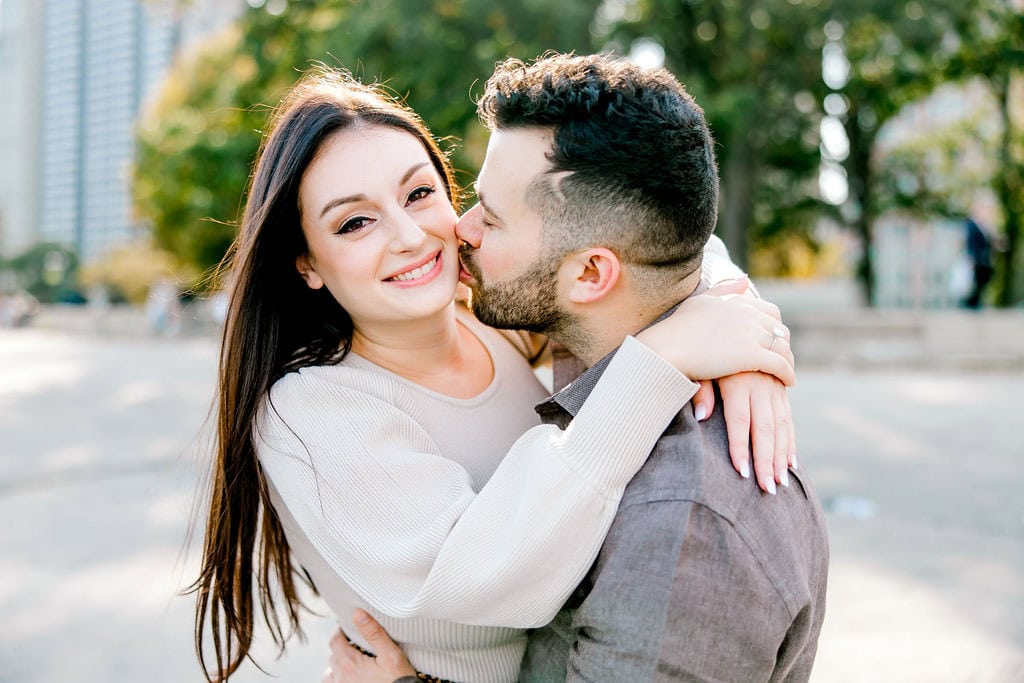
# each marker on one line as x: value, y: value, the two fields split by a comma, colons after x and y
x: 77, y: 73
x: 100, y: 58
x: 21, y: 24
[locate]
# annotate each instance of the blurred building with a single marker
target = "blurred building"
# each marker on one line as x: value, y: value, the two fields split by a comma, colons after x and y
x: 951, y: 135
x: 917, y: 262
x: 74, y: 74
x: 21, y: 23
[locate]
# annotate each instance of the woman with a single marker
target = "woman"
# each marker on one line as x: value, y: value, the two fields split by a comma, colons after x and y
x: 376, y: 439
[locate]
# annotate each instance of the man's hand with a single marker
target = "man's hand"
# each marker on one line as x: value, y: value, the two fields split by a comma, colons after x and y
x: 349, y: 665
x: 757, y: 411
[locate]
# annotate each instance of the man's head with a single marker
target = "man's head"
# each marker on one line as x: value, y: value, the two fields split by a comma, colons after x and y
x: 587, y: 154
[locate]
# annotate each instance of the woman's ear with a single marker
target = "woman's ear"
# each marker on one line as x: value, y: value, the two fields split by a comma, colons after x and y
x: 592, y: 273
x: 307, y: 270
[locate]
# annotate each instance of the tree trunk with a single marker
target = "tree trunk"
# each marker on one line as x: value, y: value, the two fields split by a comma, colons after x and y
x: 858, y: 172
x: 1009, y: 188
x: 737, y: 207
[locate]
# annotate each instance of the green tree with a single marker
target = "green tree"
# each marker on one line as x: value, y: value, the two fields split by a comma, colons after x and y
x: 897, y: 52
x: 198, y: 140
x: 992, y: 46
x: 940, y: 170
x: 47, y: 271
x: 755, y: 67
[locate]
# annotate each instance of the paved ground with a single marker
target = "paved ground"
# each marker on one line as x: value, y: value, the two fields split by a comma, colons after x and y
x: 923, y: 473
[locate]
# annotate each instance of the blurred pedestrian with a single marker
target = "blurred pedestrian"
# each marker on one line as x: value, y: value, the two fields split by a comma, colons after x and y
x: 979, y: 251
x: 163, y: 310
x: 17, y: 308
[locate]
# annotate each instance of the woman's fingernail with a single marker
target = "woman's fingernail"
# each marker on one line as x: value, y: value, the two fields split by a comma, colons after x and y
x: 794, y: 461
x: 361, y: 617
x: 745, y: 470
x: 784, y: 479
x: 700, y: 411
x: 771, y: 486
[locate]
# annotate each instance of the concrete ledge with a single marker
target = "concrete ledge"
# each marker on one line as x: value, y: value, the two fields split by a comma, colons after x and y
x: 984, y: 340
x: 822, y: 338
x: 123, y: 321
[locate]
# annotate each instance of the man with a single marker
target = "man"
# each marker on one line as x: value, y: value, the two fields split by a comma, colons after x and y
x: 597, y: 195
x: 605, y: 174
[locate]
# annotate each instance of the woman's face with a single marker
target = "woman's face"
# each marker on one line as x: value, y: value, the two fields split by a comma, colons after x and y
x: 380, y: 227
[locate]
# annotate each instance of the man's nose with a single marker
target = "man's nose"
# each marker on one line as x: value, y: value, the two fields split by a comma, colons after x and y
x: 468, y: 228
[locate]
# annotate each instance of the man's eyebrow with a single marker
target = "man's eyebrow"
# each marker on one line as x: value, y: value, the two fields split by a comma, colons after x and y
x: 360, y: 197
x: 483, y: 203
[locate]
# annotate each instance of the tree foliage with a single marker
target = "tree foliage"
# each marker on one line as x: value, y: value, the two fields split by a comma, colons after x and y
x: 898, y: 52
x: 992, y: 46
x: 940, y: 171
x: 198, y: 140
x: 755, y: 67
x: 47, y: 271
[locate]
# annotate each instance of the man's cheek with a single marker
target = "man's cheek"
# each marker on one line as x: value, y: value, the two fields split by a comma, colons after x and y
x: 498, y: 261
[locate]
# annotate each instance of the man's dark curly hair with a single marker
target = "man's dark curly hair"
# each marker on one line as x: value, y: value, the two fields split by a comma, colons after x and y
x: 642, y: 174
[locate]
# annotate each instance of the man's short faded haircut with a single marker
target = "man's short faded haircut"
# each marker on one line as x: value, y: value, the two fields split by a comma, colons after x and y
x: 641, y: 174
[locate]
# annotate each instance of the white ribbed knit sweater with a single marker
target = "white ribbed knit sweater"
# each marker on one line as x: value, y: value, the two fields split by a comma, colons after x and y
x: 441, y: 516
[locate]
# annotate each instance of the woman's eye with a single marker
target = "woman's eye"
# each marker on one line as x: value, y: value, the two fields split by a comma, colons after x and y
x: 421, y: 193
x: 353, y: 224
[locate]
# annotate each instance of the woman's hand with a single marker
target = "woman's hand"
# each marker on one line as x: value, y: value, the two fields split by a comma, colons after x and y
x: 757, y: 412
x: 349, y: 665
x: 714, y: 335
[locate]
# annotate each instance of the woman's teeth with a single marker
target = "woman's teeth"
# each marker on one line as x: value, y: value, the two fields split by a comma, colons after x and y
x: 417, y: 273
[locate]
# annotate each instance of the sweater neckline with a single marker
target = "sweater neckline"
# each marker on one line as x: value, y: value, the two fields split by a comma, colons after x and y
x: 474, y: 327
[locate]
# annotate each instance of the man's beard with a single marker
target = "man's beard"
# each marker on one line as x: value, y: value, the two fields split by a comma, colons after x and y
x: 530, y: 302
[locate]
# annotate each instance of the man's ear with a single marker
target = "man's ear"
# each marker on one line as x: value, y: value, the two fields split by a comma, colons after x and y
x: 308, y: 272
x: 592, y: 273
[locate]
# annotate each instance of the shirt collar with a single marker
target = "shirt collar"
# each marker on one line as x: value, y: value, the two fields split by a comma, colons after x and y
x: 571, y: 399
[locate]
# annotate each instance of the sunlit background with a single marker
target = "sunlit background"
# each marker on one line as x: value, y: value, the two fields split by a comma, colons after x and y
x: 857, y: 141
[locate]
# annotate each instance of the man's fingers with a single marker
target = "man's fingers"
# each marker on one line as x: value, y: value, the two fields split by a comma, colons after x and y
x: 389, y: 655
x: 373, y: 632
x: 342, y: 651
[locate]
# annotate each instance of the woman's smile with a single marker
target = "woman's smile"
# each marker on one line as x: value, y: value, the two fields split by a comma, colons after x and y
x: 420, y: 273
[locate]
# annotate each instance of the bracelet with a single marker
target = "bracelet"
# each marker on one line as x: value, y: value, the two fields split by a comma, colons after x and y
x: 420, y: 676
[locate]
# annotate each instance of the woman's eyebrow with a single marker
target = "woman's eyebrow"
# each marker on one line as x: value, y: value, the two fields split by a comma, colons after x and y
x: 341, y: 200
x: 408, y: 174
x: 360, y: 197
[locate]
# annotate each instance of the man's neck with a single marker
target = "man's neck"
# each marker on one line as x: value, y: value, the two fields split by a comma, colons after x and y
x: 602, y: 327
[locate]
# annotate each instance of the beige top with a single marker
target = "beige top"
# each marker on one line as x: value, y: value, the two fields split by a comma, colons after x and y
x: 456, y: 522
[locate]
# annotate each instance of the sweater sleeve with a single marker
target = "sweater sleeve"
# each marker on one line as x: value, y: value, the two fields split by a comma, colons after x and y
x: 402, y: 525
x: 718, y: 266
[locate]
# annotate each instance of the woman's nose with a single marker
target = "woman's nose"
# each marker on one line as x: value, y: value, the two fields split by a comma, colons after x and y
x: 408, y: 235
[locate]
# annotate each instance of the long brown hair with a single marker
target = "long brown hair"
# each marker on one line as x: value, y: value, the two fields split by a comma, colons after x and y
x: 275, y: 324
